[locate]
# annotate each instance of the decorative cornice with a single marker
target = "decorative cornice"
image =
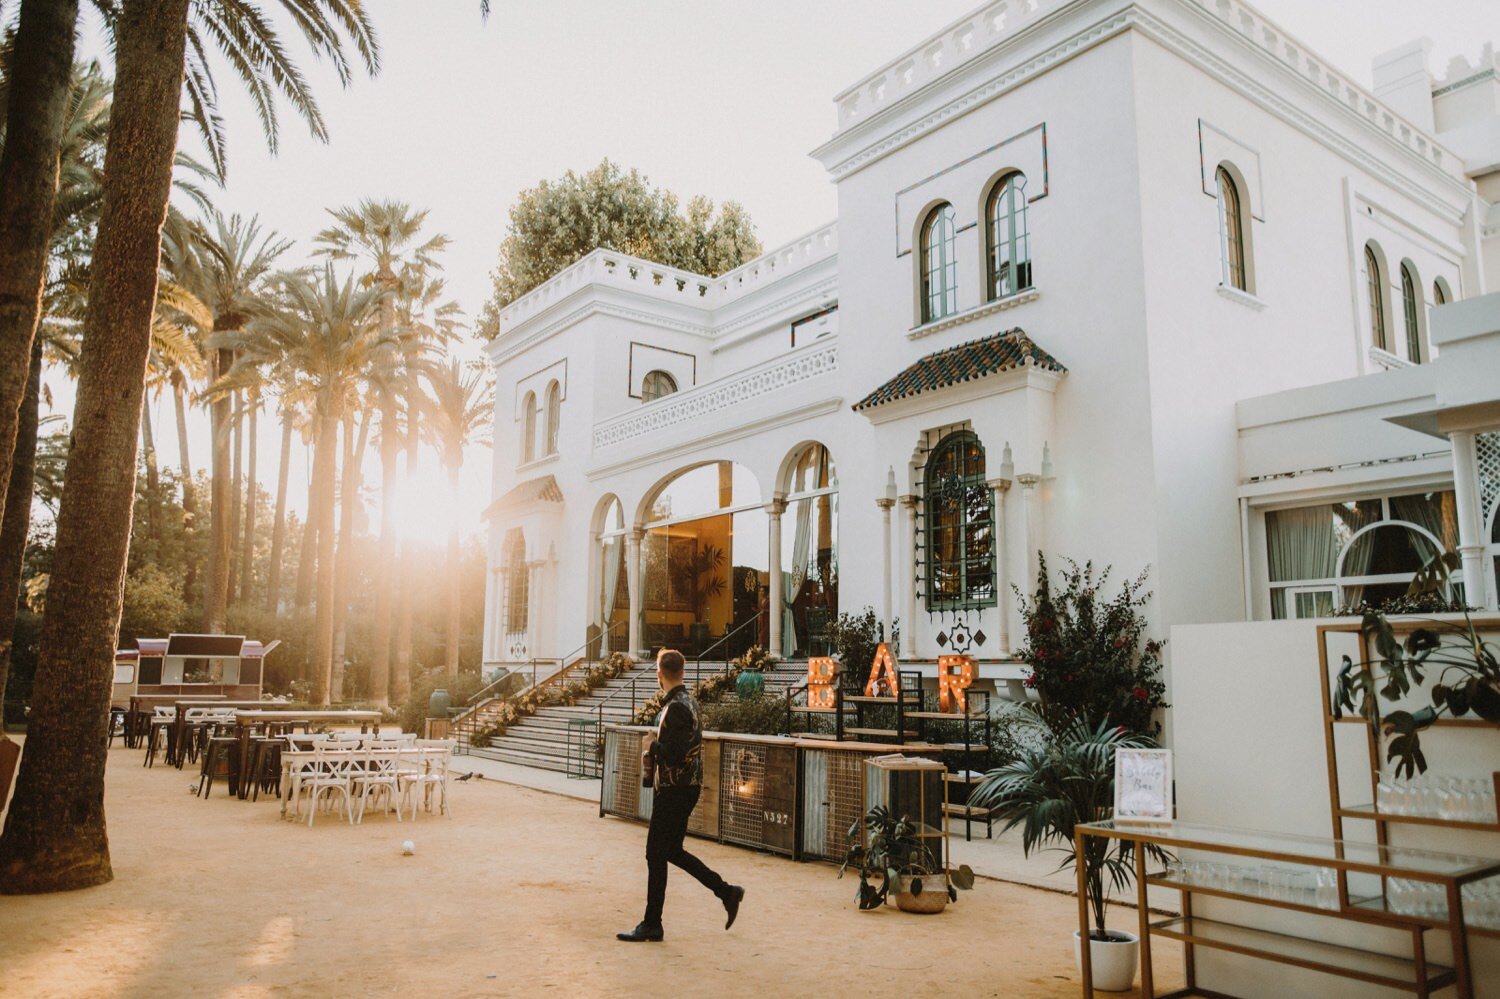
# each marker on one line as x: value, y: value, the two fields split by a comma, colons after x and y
x: 713, y: 397
x: 977, y: 312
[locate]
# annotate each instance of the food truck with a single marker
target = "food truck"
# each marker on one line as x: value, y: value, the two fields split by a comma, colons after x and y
x: 228, y: 666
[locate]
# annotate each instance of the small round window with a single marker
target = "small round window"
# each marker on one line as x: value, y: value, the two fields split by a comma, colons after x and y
x: 656, y: 385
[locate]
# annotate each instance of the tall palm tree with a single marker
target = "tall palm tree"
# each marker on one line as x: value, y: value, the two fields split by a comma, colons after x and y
x: 387, y: 236
x: 54, y: 836
x: 38, y: 83
x: 291, y: 404
x: 458, y: 412
x: 232, y: 258
x: 325, y: 333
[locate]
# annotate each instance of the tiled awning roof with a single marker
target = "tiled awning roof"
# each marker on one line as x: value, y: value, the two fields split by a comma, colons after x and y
x: 991, y: 355
x: 543, y: 489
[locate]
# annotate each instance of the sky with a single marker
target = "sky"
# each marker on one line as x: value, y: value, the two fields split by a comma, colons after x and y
x: 703, y: 96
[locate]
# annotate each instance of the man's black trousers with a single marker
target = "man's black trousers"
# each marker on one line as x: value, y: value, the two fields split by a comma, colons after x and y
x: 669, y: 821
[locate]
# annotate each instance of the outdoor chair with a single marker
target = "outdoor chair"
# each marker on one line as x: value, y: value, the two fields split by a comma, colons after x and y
x: 116, y: 727
x: 265, y: 764
x: 381, y: 775
x: 432, y: 778
x: 330, y: 776
x: 223, y: 749
x: 162, y: 719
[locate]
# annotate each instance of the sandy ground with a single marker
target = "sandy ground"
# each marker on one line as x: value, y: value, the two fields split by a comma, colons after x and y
x: 519, y: 893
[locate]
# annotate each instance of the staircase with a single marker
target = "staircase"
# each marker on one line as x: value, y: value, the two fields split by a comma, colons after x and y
x: 541, y: 740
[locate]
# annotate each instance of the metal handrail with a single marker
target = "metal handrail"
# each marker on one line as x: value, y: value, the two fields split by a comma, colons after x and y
x: 698, y: 666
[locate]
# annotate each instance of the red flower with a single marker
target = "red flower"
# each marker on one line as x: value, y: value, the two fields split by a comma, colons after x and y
x: 1141, y: 693
x: 1119, y: 643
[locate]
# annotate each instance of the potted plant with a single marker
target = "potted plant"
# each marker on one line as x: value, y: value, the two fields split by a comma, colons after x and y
x: 891, y: 849
x: 1050, y: 789
x: 1467, y: 668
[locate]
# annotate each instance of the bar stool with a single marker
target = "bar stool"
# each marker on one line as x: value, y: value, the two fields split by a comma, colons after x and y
x: 117, y: 718
x: 265, y: 764
x: 160, y: 723
x: 225, y: 749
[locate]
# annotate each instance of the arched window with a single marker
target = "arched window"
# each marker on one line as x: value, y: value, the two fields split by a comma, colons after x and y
x: 554, y: 412
x: 656, y: 385
x: 939, y: 265
x: 1009, y: 240
x: 1375, y: 286
x: 614, y: 596
x: 1232, y: 233
x: 1410, y: 306
x: 516, y: 574
x: 528, y: 429
x: 958, y: 524
x: 1439, y: 292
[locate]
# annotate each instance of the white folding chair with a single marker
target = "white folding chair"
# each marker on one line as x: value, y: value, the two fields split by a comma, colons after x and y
x: 433, y: 776
x: 330, y: 775
x: 380, y: 775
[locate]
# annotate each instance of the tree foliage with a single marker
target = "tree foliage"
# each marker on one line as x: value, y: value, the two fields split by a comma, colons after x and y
x: 558, y: 222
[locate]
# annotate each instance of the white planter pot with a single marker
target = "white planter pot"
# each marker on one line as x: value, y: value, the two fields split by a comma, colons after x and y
x: 1113, y: 961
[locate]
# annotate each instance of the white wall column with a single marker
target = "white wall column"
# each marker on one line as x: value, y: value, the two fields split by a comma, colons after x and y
x: 909, y: 584
x: 633, y: 584
x: 1001, y: 487
x: 886, y: 581
x: 774, y: 510
x: 1033, y: 542
x: 1470, y: 532
x: 533, y: 605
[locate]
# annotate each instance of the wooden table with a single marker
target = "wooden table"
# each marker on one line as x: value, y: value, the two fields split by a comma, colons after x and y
x: 142, y: 704
x: 244, y: 721
x: 176, y: 741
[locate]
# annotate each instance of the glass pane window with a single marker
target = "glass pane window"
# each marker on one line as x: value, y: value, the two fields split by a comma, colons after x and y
x: 1231, y: 232
x: 656, y: 385
x: 959, y: 519
x: 1009, y: 238
x: 939, y: 265
x: 554, y: 414
x: 528, y: 431
x: 1409, y: 306
x: 1376, y: 291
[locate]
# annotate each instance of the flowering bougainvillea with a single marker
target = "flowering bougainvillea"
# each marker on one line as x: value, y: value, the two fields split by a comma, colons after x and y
x: 1089, y: 654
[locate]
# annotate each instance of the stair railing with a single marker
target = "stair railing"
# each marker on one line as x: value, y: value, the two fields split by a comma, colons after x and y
x: 698, y: 666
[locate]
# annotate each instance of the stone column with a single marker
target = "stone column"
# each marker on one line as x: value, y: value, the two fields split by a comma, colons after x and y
x: 1470, y: 520
x: 909, y: 547
x: 886, y: 581
x: 774, y: 510
x: 1002, y: 565
x: 1033, y: 541
x: 633, y: 584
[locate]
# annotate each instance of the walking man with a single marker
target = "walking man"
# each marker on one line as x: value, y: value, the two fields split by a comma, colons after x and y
x: 673, y: 764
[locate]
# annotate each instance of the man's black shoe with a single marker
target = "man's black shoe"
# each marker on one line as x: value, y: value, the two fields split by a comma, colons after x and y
x: 644, y: 934
x: 732, y: 904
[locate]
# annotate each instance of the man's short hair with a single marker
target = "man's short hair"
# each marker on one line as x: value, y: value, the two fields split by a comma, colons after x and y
x: 671, y: 662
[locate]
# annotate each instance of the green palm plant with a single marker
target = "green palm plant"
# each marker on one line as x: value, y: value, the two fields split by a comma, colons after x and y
x: 387, y: 237
x: 458, y: 414
x: 1054, y: 787
x: 323, y: 334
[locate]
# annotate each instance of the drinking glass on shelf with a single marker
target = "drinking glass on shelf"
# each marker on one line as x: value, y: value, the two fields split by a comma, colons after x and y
x: 1175, y: 871
x: 1327, y: 894
x: 1450, y: 800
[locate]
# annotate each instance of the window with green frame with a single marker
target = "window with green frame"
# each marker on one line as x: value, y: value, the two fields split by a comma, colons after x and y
x: 939, y: 264
x: 1009, y: 238
x: 958, y: 524
x: 1410, y: 306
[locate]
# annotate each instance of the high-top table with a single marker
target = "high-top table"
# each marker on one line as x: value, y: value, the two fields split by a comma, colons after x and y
x: 176, y: 741
x: 244, y: 721
x: 141, y: 706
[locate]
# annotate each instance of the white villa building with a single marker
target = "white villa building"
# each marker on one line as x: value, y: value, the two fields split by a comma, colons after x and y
x: 1142, y: 282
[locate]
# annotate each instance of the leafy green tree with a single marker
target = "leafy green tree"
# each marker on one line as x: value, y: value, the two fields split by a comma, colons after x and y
x: 558, y: 222
x: 153, y: 604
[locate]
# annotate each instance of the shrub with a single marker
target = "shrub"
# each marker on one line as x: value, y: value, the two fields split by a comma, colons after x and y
x: 1088, y: 655
x: 413, y: 712
x: 855, y: 638
x: 763, y: 715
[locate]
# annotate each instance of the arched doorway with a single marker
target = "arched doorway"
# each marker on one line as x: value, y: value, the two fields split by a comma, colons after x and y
x: 612, y: 610
x: 703, y: 562
x: 809, y: 554
x: 515, y: 612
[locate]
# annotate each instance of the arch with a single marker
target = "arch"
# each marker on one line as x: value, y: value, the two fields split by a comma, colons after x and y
x: 1377, y: 293
x: 515, y: 615
x: 1442, y: 294
x: 528, y: 428
x: 743, y: 491
x: 1380, y: 565
x: 610, y: 598
x: 1007, y: 236
x: 554, y: 414
x: 656, y: 385
x: 792, y: 461
x: 809, y: 557
x: 1411, y: 313
x: 1236, y: 261
x: 937, y: 263
x: 958, y: 516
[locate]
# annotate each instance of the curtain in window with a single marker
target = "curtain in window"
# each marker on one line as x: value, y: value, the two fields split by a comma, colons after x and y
x: 792, y: 582
x: 614, y: 554
x: 1435, y: 512
x: 1300, y: 544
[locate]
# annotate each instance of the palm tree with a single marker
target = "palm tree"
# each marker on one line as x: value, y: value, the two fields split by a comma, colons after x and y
x: 457, y: 411
x: 387, y: 235
x: 325, y: 334
x: 290, y: 403
x: 38, y: 78
x: 54, y: 836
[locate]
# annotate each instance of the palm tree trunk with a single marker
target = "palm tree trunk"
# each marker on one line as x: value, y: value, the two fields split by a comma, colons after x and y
x: 325, y: 474
x: 307, y: 556
x: 153, y: 476
x: 390, y: 451
x: 235, y: 501
x: 401, y: 680
x: 55, y: 836
x: 216, y: 599
x: 189, y: 493
x: 278, y: 529
x: 39, y: 80
x: 247, y: 555
x: 17, y: 520
x: 354, y: 454
x: 453, y: 572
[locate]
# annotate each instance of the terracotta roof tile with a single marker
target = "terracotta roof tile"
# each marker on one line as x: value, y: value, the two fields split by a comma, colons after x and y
x: 988, y: 356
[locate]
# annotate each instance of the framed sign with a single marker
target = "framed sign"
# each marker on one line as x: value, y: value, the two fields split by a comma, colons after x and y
x: 1143, y: 785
